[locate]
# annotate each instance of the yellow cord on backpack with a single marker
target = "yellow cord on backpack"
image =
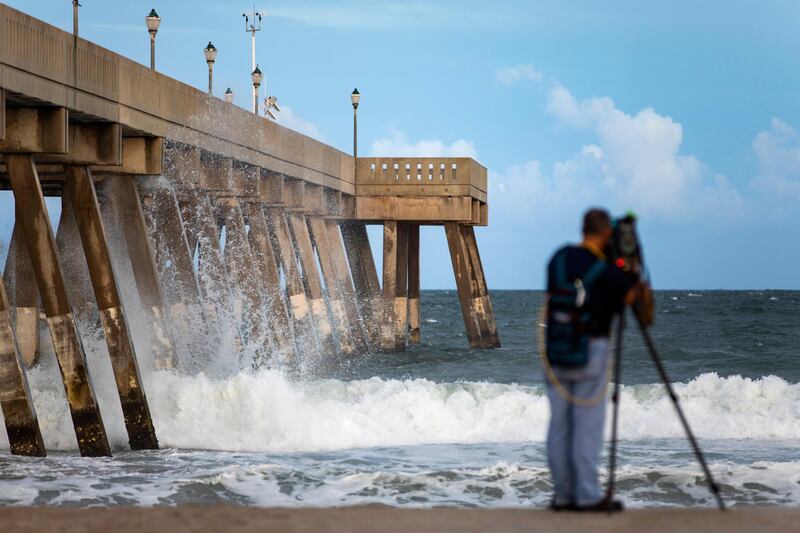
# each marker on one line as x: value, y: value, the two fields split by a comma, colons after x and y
x: 551, y: 375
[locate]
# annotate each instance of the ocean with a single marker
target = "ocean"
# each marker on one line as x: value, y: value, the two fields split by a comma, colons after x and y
x: 439, y: 424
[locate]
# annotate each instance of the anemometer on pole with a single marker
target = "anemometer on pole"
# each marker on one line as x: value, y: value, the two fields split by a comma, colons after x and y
x: 252, y: 24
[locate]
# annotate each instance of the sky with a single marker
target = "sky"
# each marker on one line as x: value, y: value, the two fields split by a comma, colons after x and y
x: 684, y: 112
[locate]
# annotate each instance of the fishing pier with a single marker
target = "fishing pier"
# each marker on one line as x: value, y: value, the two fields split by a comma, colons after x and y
x: 240, y: 233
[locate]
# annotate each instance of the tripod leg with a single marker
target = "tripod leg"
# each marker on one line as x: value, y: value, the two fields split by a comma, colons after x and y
x: 674, y: 398
x: 612, y: 453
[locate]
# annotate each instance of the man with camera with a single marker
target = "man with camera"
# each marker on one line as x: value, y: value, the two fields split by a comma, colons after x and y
x: 585, y: 290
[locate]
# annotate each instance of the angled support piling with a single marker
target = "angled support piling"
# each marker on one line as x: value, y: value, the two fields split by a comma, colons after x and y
x: 129, y: 216
x: 200, y: 224
x: 346, y: 288
x: 21, y: 283
x: 482, y: 302
x: 79, y: 189
x: 365, y: 278
x: 248, y: 288
x: 298, y: 299
x: 413, y: 284
x: 475, y: 304
x: 312, y: 281
x: 268, y: 270
x: 395, y: 285
x: 29, y: 200
x: 73, y: 263
x: 319, y: 237
x: 177, y: 279
x: 22, y: 426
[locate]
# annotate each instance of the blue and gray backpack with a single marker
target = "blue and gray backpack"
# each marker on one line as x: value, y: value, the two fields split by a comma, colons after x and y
x: 568, y: 315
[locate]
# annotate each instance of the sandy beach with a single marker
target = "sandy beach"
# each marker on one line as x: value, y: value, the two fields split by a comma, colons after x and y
x: 388, y: 520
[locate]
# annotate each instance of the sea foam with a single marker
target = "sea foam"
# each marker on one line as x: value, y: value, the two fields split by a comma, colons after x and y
x: 267, y: 411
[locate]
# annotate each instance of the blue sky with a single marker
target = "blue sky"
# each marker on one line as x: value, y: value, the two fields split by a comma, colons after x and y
x: 686, y: 112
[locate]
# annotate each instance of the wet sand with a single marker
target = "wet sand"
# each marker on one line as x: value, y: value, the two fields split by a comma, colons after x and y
x: 389, y: 520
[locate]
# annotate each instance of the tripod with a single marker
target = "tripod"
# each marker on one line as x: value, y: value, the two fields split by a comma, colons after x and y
x: 612, y: 460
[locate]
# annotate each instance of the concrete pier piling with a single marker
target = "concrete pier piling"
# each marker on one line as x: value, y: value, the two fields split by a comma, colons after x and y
x: 22, y: 426
x: 21, y: 284
x: 298, y: 301
x: 413, y: 284
x: 243, y: 237
x: 129, y: 216
x: 346, y: 288
x: 29, y: 201
x: 339, y: 318
x: 312, y: 281
x: 79, y: 189
x: 267, y: 270
x: 365, y: 279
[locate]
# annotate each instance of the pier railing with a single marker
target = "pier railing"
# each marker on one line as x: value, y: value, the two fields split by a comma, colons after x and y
x: 426, y: 189
x: 421, y: 176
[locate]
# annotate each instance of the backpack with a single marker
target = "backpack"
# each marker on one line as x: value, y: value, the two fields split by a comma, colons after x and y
x: 568, y: 315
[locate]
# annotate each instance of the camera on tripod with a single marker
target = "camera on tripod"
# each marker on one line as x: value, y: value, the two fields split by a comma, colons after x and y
x: 623, y: 248
x: 625, y: 251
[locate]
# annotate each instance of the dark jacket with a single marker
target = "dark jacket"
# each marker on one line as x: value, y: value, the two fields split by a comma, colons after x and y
x: 607, y: 294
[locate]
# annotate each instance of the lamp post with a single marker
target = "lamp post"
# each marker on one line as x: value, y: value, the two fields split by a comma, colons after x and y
x: 75, y: 6
x: 211, y: 56
x: 256, y: 76
x: 153, y: 22
x: 354, y: 98
x: 229, y: 96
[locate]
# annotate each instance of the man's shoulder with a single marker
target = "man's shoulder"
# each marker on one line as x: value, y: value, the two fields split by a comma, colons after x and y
x: 566, y: 249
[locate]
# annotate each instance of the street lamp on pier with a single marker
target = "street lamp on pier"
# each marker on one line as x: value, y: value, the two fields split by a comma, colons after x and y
x: 153, y: 22
x: 211, y: 56
x: 75, y: 6
x: 256, y: 77
x: 355, y: 97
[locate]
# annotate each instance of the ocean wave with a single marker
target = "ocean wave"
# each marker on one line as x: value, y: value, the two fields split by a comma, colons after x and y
x: 354, y: 478
x: 268, y: 411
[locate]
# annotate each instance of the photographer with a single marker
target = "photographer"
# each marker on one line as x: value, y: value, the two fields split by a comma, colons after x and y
x: 584, y: 292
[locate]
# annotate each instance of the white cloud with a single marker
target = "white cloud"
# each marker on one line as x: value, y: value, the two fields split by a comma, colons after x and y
x: 397, y: 144
x: 634, y: 162
x: 508, y: 76
x: 288, y: 118
x: 778, y: 153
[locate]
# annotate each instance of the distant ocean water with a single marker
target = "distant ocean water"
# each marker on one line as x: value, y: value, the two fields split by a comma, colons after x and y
x: 443, y: 425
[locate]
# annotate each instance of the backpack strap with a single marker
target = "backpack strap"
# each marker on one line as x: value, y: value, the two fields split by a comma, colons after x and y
x: 593, y: 273
x: 561, y: 268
